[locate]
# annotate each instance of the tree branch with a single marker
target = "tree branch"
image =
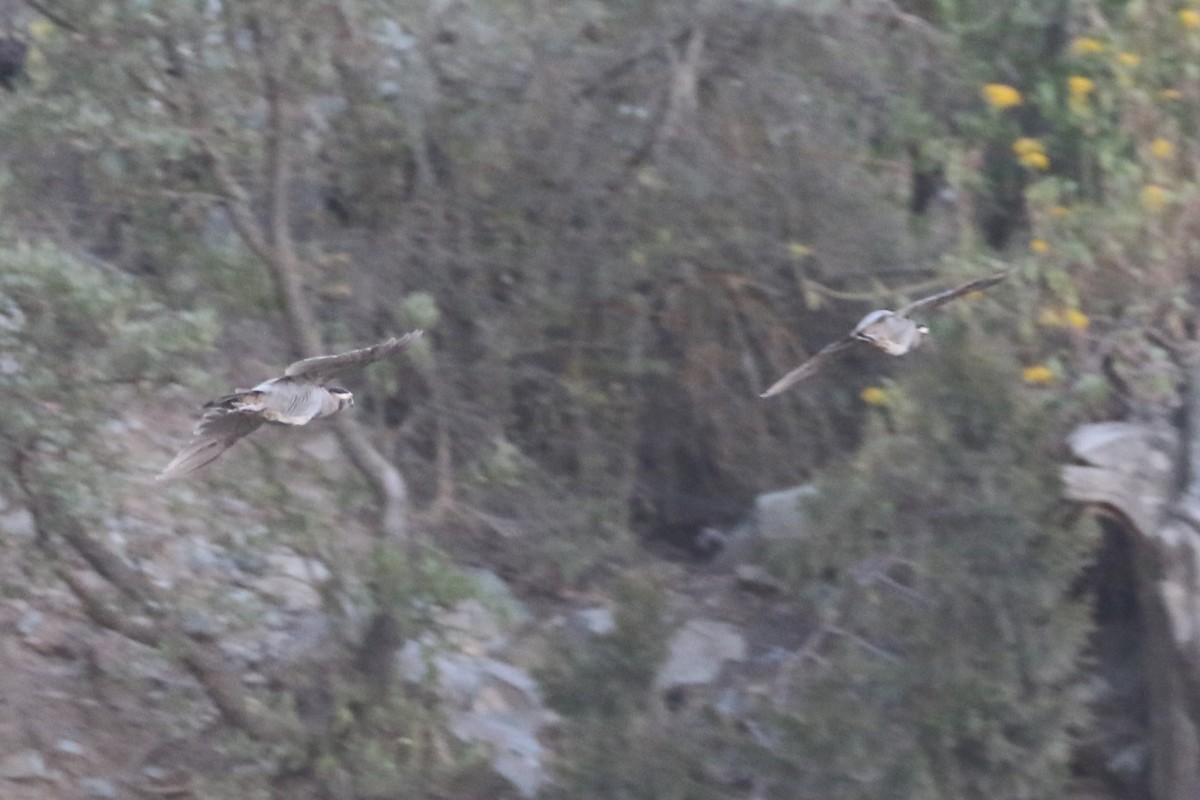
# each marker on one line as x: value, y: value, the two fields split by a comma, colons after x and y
x: 1189, y: 360
x: 53, y: 16
x: 220, y: 684
x: 275, y: 247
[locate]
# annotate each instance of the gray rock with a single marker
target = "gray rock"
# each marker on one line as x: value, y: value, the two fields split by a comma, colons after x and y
x: 9, y: 365
x: 487, y: 700
x: 781, y: 514
x: 698, y: 651
x: 69, y: 747
x: 249, y: 653
x: 240, y: 596
x: 490, y: 702
x: 29, y: 622
x: 411, y: 661
x: 17, y: 523
x: 199, y: 554
x: 27, y: 765
x: 595, y: 621
x: 504, y: 711
x: 251, y: 563
x: 294, y: 565
x: 754, y: 578
x: 472, y: 627
x: 517, y: 686
x: 307, y: 635
x: 496, y: 595
x: 199, y: 625
x: 291, y: 580
x: 1129, y: 762
x: 97, y: 787
x: 12, y: 318
x: 730, y: 705
x: 275, y: 620
x: 517, y: 755
x: 460, y: 677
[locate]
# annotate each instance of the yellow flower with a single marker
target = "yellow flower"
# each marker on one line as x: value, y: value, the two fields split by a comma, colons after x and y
x: 1027, y: 144
x: 1064, y: 318
x: 1079, y: 85
x: 1129, y: 59
x: 1079, y: 88
x: 1162, y: 148
x: 1001, y: 95
x: 1074, y: 318
x: 1170, y: 94
x: 1037, y: 375
x: 1189, y: 18
x: 1086, y: 45
x: 1154, y: 198
x: 1031, y: 153
x: 1039, y: 246
x: 1034, y: 160
x: 1051, y: 318
x: 1059, y: 212
x: 874, y: 396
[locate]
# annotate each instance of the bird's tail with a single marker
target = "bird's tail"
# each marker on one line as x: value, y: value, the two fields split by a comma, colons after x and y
x: 192, y: 458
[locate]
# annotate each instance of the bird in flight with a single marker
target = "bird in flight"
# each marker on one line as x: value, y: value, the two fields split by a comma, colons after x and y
x: 893, y: 332
x: 297, y: 397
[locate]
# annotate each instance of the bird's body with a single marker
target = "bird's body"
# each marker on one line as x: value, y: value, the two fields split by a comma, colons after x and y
x: 893, y: 332
x: 890, y: 332
x: 297, y: 397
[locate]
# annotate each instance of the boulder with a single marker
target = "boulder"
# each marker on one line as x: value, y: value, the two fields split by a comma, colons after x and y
x: 781, y: 514
x: 697, y: 653
x: 487, y: 699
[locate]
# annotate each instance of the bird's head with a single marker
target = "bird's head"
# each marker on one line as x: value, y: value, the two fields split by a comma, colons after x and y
x: 919, y: 334
x: 344, y: 397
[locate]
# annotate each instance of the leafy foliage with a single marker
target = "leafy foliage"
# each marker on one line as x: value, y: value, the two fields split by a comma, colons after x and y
x: 619, y: 220
x: 76, y: 340
x: 947, y: 660
x: 603, y: 687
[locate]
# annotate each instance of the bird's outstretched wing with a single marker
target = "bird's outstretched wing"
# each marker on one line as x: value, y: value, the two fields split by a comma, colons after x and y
x: 809, y: 367
x: 320, y: 369
x: 941, y: 298
x: 216, y: 432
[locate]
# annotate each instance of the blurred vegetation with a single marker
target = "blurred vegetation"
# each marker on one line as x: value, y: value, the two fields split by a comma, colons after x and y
x: 946, y: 661
x: 79, y: 341
x: 619, y: 223
x: 603, y: 687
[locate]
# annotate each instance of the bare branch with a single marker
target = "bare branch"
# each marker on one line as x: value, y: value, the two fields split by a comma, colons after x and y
x: 101, y: 610
x: 390, y: 489
x: 283, y: 261
x: 275, y: 247
x: 53, y: 16
x: 220, y: 683
x: 1190, y: 361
